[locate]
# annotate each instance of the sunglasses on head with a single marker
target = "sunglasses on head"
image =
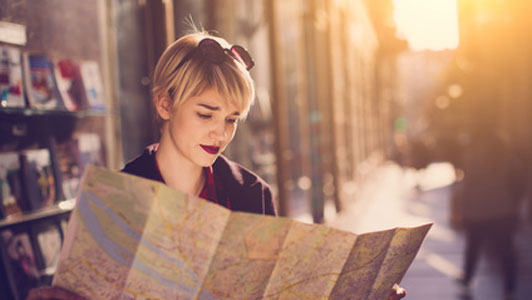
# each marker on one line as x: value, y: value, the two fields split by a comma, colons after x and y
x: 210, y: 50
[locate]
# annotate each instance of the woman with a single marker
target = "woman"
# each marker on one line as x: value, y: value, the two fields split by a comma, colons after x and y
x: 201, y: 90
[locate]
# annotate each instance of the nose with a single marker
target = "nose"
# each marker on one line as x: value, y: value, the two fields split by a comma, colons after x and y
x: 218, y: 131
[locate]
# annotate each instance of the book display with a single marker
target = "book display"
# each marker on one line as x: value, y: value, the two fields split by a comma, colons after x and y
x: 49, y: 242
x: 41, y: 89
x: 68, y: 156
x: 11, y: 77
x: 73, y: 155
x: 19, y: 261
x: 92, y: 83
x: 33, y: 214
x: 90, y: 150
x: 38, y: 178
x: 37, y: 196
x: 53, y: 117
x: 11, y: 201
x: 49, y: 84
x: 69, y: 84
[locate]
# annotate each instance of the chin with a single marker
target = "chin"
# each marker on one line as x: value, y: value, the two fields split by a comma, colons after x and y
x: 208, y: 162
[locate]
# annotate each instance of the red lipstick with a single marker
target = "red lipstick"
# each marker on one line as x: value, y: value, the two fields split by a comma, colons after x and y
x: 210, y: 149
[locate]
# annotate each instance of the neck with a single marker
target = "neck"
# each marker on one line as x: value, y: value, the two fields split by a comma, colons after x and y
x: 177, y: 171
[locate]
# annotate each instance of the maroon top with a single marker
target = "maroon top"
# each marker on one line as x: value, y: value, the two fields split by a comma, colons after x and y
x: 209, y: 188
x: 227, y: 183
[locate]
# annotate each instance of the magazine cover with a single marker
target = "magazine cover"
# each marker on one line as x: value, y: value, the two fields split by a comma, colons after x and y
x: 39, y: 82
x: 69, y: 83
x: 19, y: 261
x: 10, y: 185
x: 90, y: 148
x: 38, y: 178
x: 11, y: 77
x: 49, y: 240
x: 69, y: 160
x: 92, y: 81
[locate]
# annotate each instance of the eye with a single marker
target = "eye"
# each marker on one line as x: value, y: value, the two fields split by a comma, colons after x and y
x: 231, y: 121
x: 204, y: 116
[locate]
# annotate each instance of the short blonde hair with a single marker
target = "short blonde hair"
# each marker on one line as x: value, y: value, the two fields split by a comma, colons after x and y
x: 230, y: 78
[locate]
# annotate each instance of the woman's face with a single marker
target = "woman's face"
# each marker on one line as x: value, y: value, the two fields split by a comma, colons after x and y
x: 202, y: 127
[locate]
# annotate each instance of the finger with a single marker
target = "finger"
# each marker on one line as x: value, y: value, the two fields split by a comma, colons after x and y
x: 401, y: 293
x: 398, y: 292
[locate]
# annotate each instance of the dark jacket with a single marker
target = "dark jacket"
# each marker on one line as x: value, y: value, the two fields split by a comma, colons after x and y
x: 490, y: 189
x: 247, y: 192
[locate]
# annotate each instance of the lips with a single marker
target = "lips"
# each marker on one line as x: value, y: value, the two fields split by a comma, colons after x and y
x: 210, y: 149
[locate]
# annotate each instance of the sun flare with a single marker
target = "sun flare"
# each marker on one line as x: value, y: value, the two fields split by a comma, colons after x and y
x: 427, y: 24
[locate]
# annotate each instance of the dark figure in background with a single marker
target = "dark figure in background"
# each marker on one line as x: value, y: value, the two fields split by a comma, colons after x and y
x: 489, y: 201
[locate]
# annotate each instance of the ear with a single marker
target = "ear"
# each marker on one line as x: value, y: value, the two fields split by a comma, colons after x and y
x: 163, y: 105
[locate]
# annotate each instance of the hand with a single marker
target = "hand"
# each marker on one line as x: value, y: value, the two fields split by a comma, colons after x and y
x: 52, y: 293
x: 397, y: 293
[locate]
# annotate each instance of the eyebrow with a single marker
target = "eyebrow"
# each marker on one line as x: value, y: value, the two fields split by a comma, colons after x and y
x: 216, y: 108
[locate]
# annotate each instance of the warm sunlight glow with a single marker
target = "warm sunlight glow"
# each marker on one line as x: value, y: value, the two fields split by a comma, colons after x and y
x: 427, y: 24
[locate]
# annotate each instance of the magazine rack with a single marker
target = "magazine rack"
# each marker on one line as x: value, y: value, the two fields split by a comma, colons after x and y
x: 37, y: 233
x: 36, y: 238
x: 60, y: 210
x: 26, y: 126
x: 30, y: 238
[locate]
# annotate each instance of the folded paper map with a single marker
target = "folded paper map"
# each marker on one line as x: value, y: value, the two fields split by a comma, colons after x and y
x: 133, y: 238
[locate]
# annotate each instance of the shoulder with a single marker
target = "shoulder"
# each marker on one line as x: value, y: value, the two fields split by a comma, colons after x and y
x: 144, y: 165
x: 237, y: 173
x: 247, y: 191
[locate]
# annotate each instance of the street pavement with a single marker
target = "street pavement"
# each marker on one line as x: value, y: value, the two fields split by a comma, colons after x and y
x: 392, y: 196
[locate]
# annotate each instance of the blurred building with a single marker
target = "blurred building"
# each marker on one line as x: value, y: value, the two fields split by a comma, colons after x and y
x: 331, y: 84
x: 493, y: 62
x: 492, y: 69
x: 420, y: 76
x: 326, y: 86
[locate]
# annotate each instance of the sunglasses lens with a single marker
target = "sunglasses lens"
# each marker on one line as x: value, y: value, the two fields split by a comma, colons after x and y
x: 243, y: 56
x: 211, y: 50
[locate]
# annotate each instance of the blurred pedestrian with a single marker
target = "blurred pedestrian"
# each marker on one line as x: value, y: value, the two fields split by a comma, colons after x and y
x: 489, y: 200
